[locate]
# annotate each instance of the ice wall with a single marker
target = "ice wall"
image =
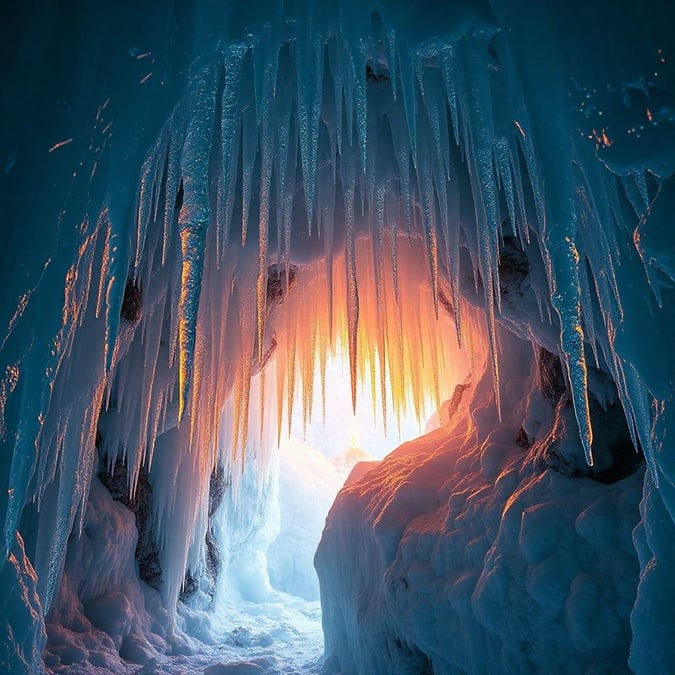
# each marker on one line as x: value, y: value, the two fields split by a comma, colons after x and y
x: 189, y: 148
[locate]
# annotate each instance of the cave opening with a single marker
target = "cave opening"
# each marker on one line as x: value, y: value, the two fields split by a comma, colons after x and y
x: 259, y: 588
x: 267, y: 601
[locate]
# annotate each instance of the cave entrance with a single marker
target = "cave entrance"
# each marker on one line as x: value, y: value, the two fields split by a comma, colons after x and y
x: 314, y: 461
x: 267, y: 600
x: 307, y: 423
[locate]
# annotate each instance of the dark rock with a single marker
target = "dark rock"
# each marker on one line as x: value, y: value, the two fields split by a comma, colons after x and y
x: 513, y: 266
x: 614, y: 456
x: 217, y: 486
x: 213, y: 558
x: 445, y: 302
x: 147, y: 550
x: 116, y: 482
x: 374, y: 77
x: 415, y: 660
x: 259, y: 364
x: 277, y: 287
x: 178, y: 204
x: 523, y: 440
x: 449, y: 408
x: 190, y: 587
x: 494, y: 61
x: 276, y: 282
x: 207, y: 582
x: 550, y: 377
x: 132, y: 302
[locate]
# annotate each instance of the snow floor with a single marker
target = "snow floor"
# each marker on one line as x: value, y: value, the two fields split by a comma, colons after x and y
x: 273, y: 637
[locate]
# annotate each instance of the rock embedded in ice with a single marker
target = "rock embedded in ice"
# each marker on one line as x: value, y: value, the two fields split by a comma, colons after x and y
x: 132, y: 302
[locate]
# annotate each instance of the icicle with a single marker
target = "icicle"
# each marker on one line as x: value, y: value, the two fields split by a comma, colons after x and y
x: 310, y: 81
x: 193, y: 221
x: 639, y: 404
x: 115, y: 281
x: 291, y: 336
x: 452, y: 245
x: 521, y: 217
x: 328, y: 233
x: 283, y: 107
x: 229, y: 131
x: 429, y: 219
x: 391, y: 60
x: 572, y: 338
x: 392, y: 216
x: 322, y: 375
x: 449, y: 77
x: 336, y: 72
x: 289, y: 194
x: 352, y: 289
x: 103, y: 221
x: 407, y: 79
x: 478, y: 148
x: 172, y: 186
x: 265, y: 188
x: 145, y: 194
x: 245, y: 400
x: 281, y: 374
x: 249, y: 151
x: 361, y: 102
x: 380, y: 299
x: 503, y: 163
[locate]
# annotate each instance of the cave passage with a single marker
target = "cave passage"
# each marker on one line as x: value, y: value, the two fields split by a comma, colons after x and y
x: 266, y: 606
x: 292, y: 430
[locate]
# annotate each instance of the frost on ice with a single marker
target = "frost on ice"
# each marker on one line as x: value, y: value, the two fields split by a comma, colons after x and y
x: 244, y: 191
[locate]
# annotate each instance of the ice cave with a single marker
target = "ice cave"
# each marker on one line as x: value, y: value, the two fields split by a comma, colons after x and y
x: 337, y: 337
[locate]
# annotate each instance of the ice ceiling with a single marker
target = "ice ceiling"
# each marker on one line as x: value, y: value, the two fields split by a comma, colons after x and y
x: 280, y: 179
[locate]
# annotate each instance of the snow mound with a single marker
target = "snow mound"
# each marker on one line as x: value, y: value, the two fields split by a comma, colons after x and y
x: 456, y: 554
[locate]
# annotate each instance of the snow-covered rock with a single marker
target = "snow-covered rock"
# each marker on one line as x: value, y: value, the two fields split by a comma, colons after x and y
x: 459, y: 554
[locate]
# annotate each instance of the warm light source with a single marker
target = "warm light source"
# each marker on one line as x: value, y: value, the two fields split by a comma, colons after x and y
x: 404, y: 351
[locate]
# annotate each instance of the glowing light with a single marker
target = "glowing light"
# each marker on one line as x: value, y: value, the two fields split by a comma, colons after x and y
x: 60, y: 144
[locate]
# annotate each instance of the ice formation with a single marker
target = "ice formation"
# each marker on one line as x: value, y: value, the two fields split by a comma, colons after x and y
x: 228, y: 193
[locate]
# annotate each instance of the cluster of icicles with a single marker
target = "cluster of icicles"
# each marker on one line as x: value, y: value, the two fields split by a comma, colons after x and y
x: 356, y: 169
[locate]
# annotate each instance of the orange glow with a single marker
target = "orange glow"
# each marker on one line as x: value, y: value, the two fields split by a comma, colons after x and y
x: 602, y: 139
x: 403, y: 347
x: 60, y: 144
x: 405, y: 344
